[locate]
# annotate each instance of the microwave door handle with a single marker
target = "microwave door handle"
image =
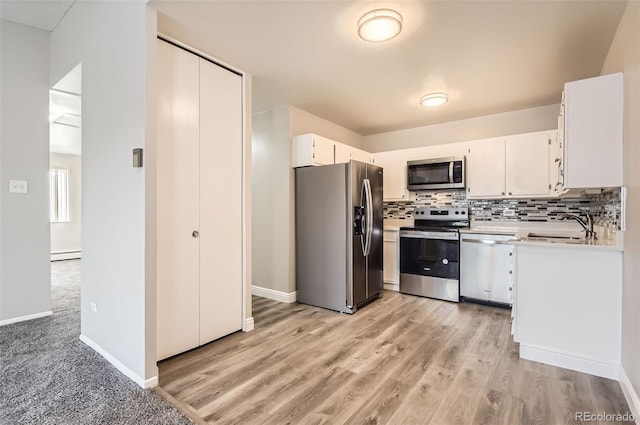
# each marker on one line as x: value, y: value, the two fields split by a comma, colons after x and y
x: 451, y: 172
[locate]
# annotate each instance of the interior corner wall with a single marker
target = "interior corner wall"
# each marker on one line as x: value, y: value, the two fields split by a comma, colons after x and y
x: 66, y: 236
x: 496, y: 125
x: 271, y: 222
x: 624, y: 55
x: 303, y: 122
x: 115, y: 69
x: 25, y: 272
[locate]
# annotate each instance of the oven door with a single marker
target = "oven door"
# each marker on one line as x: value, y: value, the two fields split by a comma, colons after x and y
x: 433, y: 254
x: 429, y: 264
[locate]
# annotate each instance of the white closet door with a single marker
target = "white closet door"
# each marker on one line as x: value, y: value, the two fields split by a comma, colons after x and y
x: 220, y: 202
x: 177, y: 201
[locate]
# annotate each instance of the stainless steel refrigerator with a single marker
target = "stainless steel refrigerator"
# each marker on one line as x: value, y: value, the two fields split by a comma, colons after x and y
x: 339, y: 235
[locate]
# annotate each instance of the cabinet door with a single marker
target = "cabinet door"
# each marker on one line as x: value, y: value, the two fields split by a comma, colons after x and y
x: 486, y: 169
x: 527, y: 157
x: 360, y: 155
x: 394, y: 164
x: 342, y: 153
x: 593, y: 132
x: 310, y: 149
x: 220, y: 187
x: 391, y: 257
x: 177, y: 201
x: 323, y: 151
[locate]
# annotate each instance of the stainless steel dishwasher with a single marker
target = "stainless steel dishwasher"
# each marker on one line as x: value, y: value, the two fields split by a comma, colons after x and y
x: 486, y: 268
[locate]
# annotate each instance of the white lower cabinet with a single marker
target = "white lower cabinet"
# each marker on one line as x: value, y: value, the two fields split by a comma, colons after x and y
x: 199, y: 161
x: 486, y: 267
x: 568, y: 307
x: 391, y: 259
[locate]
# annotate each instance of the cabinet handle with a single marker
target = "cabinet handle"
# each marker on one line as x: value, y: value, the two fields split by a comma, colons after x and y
x: 510, y: 271
x: 510, y: 254
x: 195, y: 233
x: 510, y: 193
x: 503, y: 193
x: 511, y: 288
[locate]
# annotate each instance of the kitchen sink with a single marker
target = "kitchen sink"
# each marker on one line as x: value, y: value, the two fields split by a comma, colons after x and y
x: 556, y: 236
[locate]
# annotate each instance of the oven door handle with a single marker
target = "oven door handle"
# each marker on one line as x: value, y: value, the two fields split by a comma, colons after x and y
x: 448, y: 236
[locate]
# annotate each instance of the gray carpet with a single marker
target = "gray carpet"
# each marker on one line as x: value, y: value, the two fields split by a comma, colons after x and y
x: 48, y: 376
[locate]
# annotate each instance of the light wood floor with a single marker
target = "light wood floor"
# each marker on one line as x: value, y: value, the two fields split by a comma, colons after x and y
x: 400, y: 360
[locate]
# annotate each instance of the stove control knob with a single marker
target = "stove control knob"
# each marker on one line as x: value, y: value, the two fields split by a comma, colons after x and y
x: 445, y: 261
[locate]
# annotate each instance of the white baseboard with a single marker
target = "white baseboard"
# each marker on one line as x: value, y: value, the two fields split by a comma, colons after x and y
x: 630, y: 394
x: 248, y: 324
x: 70, y: 255
x: 392, y: 286
x: 24, y: 318
x: 272, y: 294
x: 144, y: 383
x: 569, y: 361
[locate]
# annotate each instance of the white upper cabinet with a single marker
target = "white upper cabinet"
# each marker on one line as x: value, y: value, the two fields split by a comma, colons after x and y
x: 486, y: 168
x: 527, y: 164
x: 593, y: 111
x: 311, y: 149
x: 394, y: 164
x: 345, y: 153
x: 513, y: 166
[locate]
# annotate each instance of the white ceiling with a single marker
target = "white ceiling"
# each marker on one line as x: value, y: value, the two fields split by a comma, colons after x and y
x: 43, y: 14
x: 490, y: 56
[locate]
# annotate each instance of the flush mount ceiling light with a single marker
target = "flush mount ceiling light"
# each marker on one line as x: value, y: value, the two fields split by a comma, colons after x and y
x: 434, y: 99
x: 380, y: 25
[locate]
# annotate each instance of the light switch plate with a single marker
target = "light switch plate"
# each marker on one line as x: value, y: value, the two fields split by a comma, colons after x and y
x: 18, y: 186
x: 508, y: 213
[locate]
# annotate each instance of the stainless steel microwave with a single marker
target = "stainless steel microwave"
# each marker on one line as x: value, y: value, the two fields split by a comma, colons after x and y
x: 438, y: 173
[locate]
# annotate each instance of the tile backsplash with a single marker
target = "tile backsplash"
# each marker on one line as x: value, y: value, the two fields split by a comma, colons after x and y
x: 605, y: 207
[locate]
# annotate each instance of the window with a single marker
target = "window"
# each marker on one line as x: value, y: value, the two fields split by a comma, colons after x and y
x: 59, y: 195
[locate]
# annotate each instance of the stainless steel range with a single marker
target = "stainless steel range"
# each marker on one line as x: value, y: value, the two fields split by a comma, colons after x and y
x: 430, y: 253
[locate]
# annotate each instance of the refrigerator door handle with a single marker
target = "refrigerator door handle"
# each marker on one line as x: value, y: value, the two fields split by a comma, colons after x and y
x: 364, y: 227
x: 369, y: 213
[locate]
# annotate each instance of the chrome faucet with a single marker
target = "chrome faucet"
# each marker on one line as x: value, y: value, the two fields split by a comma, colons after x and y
x: 588, y: 226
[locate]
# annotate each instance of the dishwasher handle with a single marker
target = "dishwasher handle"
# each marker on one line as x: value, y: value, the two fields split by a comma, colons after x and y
x: 489, y: 241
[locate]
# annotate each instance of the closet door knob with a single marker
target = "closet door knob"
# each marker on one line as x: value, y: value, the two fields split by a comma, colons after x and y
x: 195, y: 234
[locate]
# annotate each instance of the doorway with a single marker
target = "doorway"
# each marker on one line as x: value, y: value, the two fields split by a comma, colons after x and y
x: 65, y: 182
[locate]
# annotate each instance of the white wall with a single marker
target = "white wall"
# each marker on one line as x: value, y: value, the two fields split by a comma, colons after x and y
x: 270, y: 186
x: 65, y: 237
x: 114, y: 42
x: 303, y: 122
x: 504, y: 124
x: 624, y: 55
x: 25, y: 280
